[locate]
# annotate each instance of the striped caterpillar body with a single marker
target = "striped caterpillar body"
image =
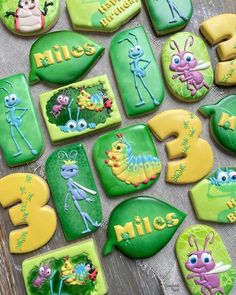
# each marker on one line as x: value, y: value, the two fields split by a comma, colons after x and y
x: 91, y: 102
x: 129, y: 168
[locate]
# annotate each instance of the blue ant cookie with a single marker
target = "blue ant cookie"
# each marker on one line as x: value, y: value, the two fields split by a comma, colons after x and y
x: 74, y: 191
x: 137, y: 73
x: 17, y: 120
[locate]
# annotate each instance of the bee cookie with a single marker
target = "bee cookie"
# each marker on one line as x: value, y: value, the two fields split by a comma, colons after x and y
x: 18, y: 118
x: 204, y: 261
x: 62, y: 57
x: 142, y: 226
x: 135, y: 65
x: 223, y: 121
x: 187, y: 67
x: 214, y: 198
x: 29, y: 17
x: 74, y: 191
x: 80, y: 108
x: 169, y: 15
x: 75, y: 269
x: 101, y: 15
x: 126, y: 160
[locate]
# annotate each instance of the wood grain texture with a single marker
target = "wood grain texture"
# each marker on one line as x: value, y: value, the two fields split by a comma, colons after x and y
x: 160, y: 274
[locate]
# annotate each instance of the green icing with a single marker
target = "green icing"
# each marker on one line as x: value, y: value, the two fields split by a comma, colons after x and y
x: 169, y: 15
x: 81, y: 213
x: 186, y: 50
x: 137, y: 73
x: 62, y: 57
x: 218, y: 254
x: 142, y: 226
x: 18, y: 143
x: 223, y: 121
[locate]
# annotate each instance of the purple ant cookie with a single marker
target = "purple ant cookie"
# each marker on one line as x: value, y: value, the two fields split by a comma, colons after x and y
x: 187, y: 66
x: 204, y: 261
x: 74, y: 191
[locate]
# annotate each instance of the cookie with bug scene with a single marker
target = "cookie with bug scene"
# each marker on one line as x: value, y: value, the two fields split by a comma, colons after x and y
x: 80, y: 108
x: 75, y: 269
x: 29, y: 17
x: 137, y: 73
x: 62, y: 57
x: 187, y: 67
x: 28, y: 195
x: 204, y: 261
x: 222, y: 117
x: 101, y: 15
x: 18, y: 143
x: 140, y: 227
x: 126, y: 160
x: 74, y: 191
x: 169, y: 15
x: 214, y: 198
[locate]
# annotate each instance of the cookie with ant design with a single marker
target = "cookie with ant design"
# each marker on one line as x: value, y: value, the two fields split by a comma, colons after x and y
x: 169, y: 15
x: 101, y: 15
x: 126, y: 160
x: 29, y: 17
x: 62, y: 57
x: 204, y: 261
x: 214, y: 197
x: 81, y: 108
x: 18, y: 118
x: 222, y: 117
x: 137, y: 73
x: 74, y: 191
x: 74, y: 269
x: 187, y: 67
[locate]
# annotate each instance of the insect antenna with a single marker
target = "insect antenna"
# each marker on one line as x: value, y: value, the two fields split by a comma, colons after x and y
x: 187, y: 41
x: 73, y: 155
x: 9, y: 83
x: 3, y: 88
x: 209, y: 238
x: 63, y: 155
x: 193, y: 240
x: 126, y: 39
x: 174, y: 45
x: 134, y: 37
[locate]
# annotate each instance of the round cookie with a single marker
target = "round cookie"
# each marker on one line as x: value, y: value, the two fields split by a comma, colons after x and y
x: 187, y: 66
x: 29, y: 17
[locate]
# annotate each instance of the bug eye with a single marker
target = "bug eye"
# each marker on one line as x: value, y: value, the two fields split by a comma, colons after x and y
x: 82, y: 124
x: 41, y: 269
x: 193, y: 259
x: 232, y: 175
x: 13, y: 97
x: 222, y: 176
x: 131, y: 50
x: 175, y: 59
x: 188, y: 57
x: 49, y: 271
x: 206, y: 258
x: 71, y: 125
x: 6, y: 98
x: 118, y: 148
x: 138, y: 48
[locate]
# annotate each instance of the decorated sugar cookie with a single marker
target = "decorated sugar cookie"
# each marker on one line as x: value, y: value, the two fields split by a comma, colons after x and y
x: 74, y: 191
x: 187, y: 66
x: 126, y: 160
x: 75, y: 269
x: 62, y: 57
x: 192, y: 156
x: 29, y: 17
x: 214, y: 198
x: 221, y: 29
x: 17, y: 118
x: 204, y: 261
x: 134, y: 65
x: 223, y: 121
x: 80, y: 108
x: 101, y: 15
x: 140, y: 227
x: 28, y: 195
x: 169, y: 15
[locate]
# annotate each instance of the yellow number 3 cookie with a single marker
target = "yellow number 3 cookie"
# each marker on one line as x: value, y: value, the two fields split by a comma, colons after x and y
x: 195, y: 153
x: 33, y: 194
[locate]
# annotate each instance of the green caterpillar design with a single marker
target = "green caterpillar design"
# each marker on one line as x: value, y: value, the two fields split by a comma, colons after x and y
x: 129, y: 168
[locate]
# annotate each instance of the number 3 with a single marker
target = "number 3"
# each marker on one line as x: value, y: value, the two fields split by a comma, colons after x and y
x: 197, y: 153
x: 33, y: 193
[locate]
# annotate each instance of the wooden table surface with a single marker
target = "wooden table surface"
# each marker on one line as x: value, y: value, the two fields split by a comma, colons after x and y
x: 124, y: 276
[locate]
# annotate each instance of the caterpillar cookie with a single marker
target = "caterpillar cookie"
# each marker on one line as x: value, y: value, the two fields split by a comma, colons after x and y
x: 29, y: 17
x: 137, y: 73
x: 62, y: 57
x: 169, y: 15
x: 187, y: 66
x: 18, y: 118
x: 101, y: 15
